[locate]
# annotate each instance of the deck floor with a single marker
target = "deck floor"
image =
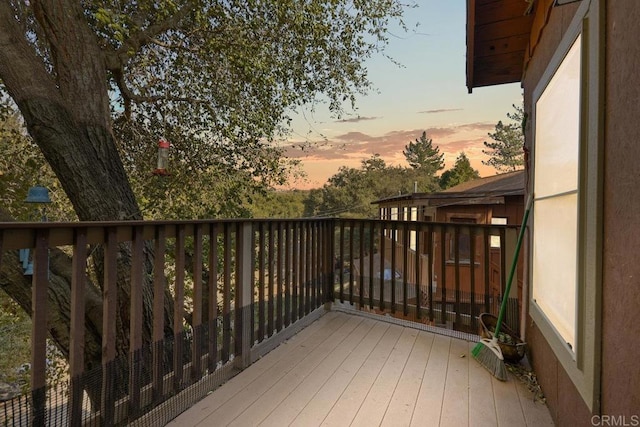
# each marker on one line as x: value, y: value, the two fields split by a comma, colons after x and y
x: 347, y: 370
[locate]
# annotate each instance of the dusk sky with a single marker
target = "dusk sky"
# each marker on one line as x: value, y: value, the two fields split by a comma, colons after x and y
x: 427, y: 94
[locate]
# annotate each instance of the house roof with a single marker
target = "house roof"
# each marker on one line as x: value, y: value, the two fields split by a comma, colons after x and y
x: 501, y: 38
x: 498, y: 33
x: 511, y: 182
x: 488, y: 190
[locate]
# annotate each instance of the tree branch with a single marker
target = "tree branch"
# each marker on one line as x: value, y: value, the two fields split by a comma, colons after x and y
x: 117, y: 59
x: 21, y: 70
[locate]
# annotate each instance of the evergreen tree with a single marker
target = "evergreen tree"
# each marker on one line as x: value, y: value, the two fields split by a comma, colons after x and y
x: 506, y: 152
x: 462, y: 171
x: 422, y: 155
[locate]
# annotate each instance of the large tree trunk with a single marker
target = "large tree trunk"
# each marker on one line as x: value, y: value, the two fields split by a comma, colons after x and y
x: 68, y: 115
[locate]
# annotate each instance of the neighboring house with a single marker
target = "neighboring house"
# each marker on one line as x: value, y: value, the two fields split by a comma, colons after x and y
x: 495, y: 200
x: 579, y: 65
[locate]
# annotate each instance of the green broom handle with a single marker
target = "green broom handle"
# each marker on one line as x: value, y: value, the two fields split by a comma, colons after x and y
x: 503, y: 305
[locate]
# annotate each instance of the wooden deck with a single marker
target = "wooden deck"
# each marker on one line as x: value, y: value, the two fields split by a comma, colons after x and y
x: 348, y: 370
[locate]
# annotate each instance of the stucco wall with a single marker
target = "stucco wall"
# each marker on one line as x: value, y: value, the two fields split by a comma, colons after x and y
x: 621, y: 258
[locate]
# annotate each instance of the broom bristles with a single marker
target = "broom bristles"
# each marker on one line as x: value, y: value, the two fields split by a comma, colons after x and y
x: 488, y: 354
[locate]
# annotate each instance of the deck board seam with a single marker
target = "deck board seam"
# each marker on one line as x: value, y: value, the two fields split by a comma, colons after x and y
x: 371, y: 325
x: 373, y: 348
x: 374, y: 381
x: 346, y: 337
x: 310, y: 354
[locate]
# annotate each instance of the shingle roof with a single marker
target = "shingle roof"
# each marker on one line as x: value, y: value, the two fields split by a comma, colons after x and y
x: 490, y: 189
x: 507, y: 182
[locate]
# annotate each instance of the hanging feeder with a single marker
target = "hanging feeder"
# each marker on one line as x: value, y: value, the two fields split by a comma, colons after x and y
x: 163, y: 157
x: 39, y: 196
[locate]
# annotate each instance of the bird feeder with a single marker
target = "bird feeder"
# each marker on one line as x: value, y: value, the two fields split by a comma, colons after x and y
x: 163, y: 157
x: 39, y: 196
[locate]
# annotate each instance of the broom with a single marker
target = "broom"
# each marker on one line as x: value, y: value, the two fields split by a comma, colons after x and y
x: 487, y: 352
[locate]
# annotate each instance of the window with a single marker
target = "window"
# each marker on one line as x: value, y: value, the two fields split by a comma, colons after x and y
x: 464, y: 240
x: 555, y: 213
x: 495, y: 240
x: 566, y: 241
x: 413, y: 216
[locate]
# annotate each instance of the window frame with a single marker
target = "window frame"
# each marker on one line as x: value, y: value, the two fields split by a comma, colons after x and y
x: 582, y: 364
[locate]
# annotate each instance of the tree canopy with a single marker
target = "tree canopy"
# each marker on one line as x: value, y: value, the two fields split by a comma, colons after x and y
x: 506, y: 152
x: 217, y: 78
x: 97, y: 83
x: 462, y: 171
x: 350, y: 192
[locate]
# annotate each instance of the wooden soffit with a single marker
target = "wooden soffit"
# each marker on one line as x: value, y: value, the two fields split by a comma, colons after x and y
x: 498, y: 36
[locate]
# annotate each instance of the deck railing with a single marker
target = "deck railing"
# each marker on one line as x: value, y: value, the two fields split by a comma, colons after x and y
x: 159, y: 313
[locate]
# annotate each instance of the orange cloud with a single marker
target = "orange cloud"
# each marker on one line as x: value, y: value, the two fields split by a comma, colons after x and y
x: 322, y: 160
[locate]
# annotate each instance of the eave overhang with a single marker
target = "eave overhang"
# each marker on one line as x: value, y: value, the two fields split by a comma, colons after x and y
x: 498, y: 36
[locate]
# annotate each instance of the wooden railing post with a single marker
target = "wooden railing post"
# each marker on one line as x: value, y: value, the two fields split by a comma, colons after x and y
x: 244, y: 294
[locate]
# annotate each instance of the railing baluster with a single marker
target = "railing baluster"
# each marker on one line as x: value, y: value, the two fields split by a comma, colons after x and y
x: 394, y: 249
x: 487, y: 271
x: 503, y: 263
x: 383, y: 257
x: 287, y: 275
x: 261, y: 290
x: 296, y: 310
x: 213, y: 298
x: 472, y: 271
x: 328, y: 243
x: 430, y: 261
x: 271, y: 283
x: 443, y: 274
x: 317, y: 238
x: 351, y: 260
x: 158, y: 313
x: 340, y: 264
x: 243, y: 294
x: 280, y: 281
x: 196, y: 349
x: 405, y: 267
x: 39, y: 292
x: 372, y: 226
x: 361, y: 275
x: 135, y: 322
x: 456, y: 273
x: 178, y: 311
x: 418, y: 268
x: 109, y: 306
x: 307, y: 269
x: 76, y: 345
x: 226, y: 295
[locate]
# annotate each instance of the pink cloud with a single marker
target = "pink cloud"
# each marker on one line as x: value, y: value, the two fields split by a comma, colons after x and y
x: 322, y: 160
x: 439, y: 110
x: 357, y: 119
